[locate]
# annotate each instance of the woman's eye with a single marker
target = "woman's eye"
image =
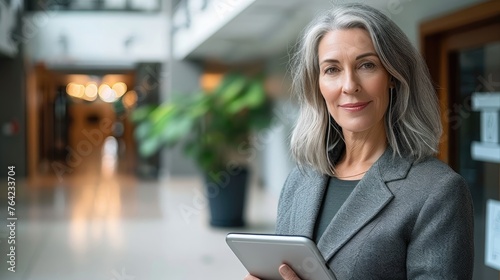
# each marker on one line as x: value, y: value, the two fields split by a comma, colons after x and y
x: 331, y: 70
x: 368, y: 65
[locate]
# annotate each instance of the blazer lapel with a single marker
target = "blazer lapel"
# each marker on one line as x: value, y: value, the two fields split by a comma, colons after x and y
x: 369, y: 197
x: 307, y: 203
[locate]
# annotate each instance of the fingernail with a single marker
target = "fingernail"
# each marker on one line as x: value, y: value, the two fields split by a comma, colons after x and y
x: 285, y: 269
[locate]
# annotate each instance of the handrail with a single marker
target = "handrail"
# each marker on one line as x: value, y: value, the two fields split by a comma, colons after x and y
x: 87, y: 5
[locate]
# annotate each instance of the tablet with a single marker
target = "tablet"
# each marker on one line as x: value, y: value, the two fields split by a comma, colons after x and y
x: 262, y: 255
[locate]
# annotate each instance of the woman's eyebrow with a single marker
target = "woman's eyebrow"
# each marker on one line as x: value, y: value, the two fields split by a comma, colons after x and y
x: 365, y: 55
x: 331, y: 60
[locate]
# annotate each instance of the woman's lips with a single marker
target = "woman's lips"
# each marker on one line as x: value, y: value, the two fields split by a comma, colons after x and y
x: 354, y: 107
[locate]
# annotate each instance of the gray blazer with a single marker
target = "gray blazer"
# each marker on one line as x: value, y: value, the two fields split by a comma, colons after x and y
x: 404, y: 220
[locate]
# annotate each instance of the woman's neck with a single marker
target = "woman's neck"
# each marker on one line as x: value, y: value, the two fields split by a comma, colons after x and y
x: 361, y: 151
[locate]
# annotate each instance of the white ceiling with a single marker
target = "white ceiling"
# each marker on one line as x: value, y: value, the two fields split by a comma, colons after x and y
x: 265, y: 29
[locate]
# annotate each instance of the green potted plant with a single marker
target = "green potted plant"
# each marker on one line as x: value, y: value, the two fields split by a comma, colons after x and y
x: 214, y: 129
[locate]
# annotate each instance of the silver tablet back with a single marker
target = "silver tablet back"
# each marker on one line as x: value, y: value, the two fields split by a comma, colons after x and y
x: 262, y: 254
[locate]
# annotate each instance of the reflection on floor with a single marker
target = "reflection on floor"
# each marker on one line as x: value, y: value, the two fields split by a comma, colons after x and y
x: 118, y: 228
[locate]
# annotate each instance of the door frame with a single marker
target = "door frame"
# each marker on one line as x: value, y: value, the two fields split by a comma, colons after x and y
x: 441, y: 36
x: 441, y: 39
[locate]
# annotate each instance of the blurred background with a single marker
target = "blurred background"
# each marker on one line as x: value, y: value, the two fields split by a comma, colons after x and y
x: 116, y: 176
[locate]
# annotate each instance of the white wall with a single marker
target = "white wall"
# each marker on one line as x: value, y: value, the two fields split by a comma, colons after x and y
x: 272, y: 146
x: 411, y: 13
x: 276, y: 157
x: 96, y: 38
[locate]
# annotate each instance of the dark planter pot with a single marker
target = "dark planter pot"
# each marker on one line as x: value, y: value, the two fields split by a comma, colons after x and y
x: 226, y: 192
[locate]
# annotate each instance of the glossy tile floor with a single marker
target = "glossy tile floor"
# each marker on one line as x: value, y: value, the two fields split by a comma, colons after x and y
x: 119, y: 228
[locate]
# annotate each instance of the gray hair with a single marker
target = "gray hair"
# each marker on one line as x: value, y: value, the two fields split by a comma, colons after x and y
x: 412, y: 121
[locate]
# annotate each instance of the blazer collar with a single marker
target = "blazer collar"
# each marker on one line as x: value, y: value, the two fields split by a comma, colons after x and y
x: 369, y: 197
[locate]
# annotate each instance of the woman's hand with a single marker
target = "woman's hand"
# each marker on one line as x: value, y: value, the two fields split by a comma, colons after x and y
x: 286, y: 272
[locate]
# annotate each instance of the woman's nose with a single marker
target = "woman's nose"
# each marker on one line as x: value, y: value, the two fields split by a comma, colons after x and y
x: 350, y: 84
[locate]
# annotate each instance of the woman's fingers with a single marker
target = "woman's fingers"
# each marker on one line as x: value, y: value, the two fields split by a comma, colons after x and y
x: 287, y: 273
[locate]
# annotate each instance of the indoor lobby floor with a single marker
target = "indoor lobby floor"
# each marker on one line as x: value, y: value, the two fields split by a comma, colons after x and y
x: 119, y: 228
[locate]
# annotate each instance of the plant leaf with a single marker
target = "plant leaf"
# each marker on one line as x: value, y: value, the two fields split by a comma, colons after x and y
x: 143, y: 130
x: 141, y: 113
x: 174, y: 132
x: 232, y: 85
x: 149, y: 146
x: 252, y: 97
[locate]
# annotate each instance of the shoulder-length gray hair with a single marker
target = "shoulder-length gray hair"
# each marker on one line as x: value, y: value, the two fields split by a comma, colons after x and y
x: 412, y: 120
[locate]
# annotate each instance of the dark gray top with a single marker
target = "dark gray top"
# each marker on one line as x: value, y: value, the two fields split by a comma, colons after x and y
x: 335, y: 195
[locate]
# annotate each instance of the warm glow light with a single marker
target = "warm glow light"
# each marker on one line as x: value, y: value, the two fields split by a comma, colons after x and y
x: 129, y: 99
x: 96, y: 87
x: 107, y: 94
x: 90, y: 92
x: 112, y: 79
x: 70, y: 89
x: 209, y: 81
x: 103, y: 87
x: 75, y: 90
x: 120, y: 88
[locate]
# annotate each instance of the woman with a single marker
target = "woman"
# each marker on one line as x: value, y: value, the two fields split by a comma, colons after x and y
x: 368, y: 189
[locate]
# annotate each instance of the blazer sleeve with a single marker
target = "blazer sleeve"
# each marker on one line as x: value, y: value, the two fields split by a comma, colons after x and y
x: 442, y: 244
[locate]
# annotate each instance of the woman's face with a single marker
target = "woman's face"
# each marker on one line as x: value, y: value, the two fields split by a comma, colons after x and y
x: 352, y: 80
